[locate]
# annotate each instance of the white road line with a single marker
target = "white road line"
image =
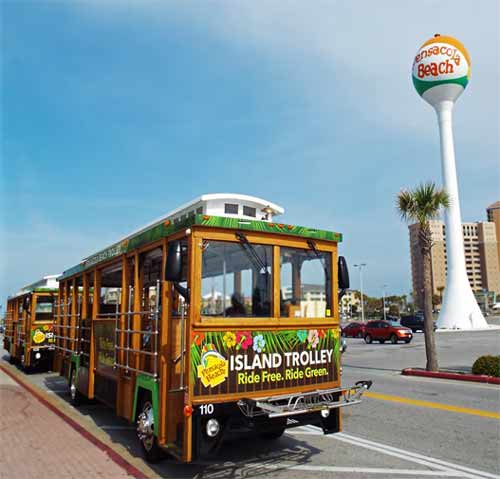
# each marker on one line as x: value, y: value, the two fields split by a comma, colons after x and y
x: 462, y: 471
x: 359, y: 470
x: 402, y: 456
x: 420, y: 456
x: 373, y: 470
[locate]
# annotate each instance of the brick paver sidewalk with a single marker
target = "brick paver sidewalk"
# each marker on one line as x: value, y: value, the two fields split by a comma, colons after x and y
x: 35, y: 443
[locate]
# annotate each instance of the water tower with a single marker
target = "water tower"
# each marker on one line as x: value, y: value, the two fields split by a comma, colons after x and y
x: 441, y: 71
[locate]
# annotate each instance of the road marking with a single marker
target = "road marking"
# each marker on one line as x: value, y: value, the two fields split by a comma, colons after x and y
x: 433, y: 405
x: 359, y: 470
x: 381, y: 448
x: 420, y: 456
x: 441, y: 466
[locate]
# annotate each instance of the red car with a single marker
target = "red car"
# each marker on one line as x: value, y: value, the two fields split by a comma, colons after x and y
x: 383, y: 331
x: 353, y: 330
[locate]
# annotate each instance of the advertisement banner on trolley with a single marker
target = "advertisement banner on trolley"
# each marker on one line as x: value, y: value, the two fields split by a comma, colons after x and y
x: 248, y: 361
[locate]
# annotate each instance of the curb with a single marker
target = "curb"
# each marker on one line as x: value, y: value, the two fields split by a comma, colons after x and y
x: 448, y: 375
x: 113, y: 455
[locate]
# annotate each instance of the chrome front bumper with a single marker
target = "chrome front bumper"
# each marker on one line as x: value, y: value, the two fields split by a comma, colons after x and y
x: 303, y: 403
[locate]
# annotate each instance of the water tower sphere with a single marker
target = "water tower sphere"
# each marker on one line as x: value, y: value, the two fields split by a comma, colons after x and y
x: 441, y: 69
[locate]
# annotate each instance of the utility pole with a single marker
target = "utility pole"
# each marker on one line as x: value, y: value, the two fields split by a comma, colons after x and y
x: 360, y: 266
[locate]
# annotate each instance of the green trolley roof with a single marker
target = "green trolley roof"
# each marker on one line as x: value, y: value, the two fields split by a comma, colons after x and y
x: 167, y: 228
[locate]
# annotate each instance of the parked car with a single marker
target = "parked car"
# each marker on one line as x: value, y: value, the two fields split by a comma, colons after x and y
x: 353, y: 330
x: 414, y: 322
x: 383, y: 331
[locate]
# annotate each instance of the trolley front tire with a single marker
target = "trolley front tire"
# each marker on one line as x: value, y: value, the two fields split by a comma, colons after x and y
x: 151, y: 451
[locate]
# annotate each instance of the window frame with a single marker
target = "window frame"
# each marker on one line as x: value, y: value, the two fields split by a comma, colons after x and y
x: 276, y: 241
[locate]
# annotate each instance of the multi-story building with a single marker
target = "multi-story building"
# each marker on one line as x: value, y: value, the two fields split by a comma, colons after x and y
x: 351, y: 301
x: 481, y: 258
x: 493, y: 213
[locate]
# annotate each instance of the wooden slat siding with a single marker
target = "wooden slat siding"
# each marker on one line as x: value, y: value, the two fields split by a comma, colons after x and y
x: 85, y: 313
x: 74, y: 310
x: 164, y: 354
x: 194, y: 267
x: 95, y: 313
x: 27, y: 329
x: 276, y: 296
x: 120, y: 339
x: 55, y: 360
x: 136, y: 321
x: 258, y: 237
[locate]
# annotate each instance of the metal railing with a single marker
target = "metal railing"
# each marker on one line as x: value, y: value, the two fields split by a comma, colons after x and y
x: 125, y: 336
x: 9, y: 326
x: 67, y: 334
x: 126, y: 357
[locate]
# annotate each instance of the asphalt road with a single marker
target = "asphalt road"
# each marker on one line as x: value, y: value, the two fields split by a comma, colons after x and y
x: 407, y: 427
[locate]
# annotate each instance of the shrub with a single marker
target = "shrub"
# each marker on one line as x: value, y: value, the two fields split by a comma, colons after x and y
x: 488, y: 365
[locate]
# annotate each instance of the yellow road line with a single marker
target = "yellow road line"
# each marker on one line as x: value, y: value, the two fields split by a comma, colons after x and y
x: 433, y: 405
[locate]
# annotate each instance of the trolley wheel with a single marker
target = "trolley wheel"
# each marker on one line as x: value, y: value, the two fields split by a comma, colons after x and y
x: 368, y: 339
x: 145, y: 433
x: 12, y: 359
x: 394, y: 339
x: 76, y: 396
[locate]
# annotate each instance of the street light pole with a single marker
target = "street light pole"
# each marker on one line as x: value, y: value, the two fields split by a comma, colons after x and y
x: 360, y: 266
x: 383, y: 293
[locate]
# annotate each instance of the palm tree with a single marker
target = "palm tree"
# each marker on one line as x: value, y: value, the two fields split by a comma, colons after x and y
x: 420, y: 206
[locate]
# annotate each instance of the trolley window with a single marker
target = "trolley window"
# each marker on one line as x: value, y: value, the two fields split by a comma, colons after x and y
x: 44, y: 308
x: 236, y: 279
x: 305, y: 283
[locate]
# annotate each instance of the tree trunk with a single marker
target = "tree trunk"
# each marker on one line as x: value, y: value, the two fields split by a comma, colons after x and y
x: 430, y: 343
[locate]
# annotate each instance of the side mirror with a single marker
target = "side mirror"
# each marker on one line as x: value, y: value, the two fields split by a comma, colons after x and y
x: 343, y: 274
x: 173, y: 267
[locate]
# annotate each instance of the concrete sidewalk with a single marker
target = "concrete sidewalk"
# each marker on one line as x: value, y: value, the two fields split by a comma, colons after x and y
x: 37, y: 443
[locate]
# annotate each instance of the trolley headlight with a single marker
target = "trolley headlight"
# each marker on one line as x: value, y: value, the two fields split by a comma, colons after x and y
x: 213, y: 427
x: 38, y: 355
x: 325, y: 413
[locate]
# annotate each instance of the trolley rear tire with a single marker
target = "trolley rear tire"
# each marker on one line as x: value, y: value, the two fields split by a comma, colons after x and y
x: 76, y: 397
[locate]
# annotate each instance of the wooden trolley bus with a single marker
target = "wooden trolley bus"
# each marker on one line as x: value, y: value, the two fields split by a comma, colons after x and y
x: 29, y: 324
x: 212, y: 321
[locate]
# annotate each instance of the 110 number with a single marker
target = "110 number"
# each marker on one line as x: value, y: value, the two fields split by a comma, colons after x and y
x: 206, y: 409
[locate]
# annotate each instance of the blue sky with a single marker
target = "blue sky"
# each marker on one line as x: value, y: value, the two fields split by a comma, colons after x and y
x: 115, y: 112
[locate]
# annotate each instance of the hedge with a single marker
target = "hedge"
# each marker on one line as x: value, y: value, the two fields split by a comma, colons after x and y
x: 487, y: 365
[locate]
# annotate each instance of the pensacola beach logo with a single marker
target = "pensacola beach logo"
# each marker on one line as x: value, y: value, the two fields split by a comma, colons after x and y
x: 213, y: 369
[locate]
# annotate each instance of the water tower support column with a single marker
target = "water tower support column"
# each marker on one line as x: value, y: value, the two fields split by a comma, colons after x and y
x: 460, y: 309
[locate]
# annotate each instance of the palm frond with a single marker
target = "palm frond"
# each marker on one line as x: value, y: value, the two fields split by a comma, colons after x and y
x: 422, y: 204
